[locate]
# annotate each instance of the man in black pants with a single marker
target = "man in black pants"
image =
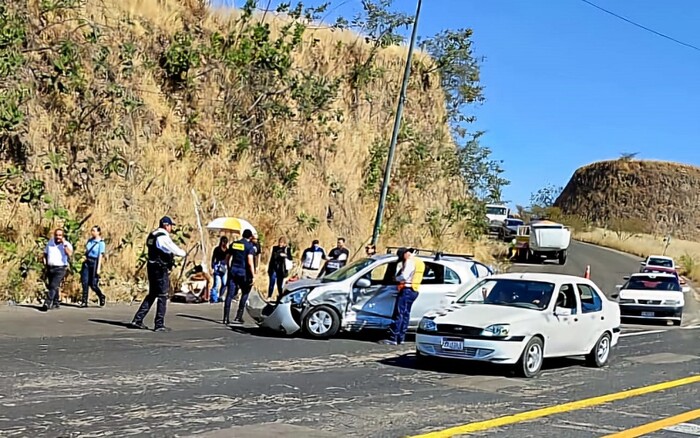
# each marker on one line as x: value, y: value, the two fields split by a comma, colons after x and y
x: 56, y: 260
x: 241, y: 255
x: 161, y: 253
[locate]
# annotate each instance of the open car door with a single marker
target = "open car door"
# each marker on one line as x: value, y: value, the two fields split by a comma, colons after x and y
x: 373, y: 306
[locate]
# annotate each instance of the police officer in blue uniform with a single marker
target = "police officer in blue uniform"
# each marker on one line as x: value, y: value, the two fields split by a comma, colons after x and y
x: 241, y: 259
x: 161, y: 254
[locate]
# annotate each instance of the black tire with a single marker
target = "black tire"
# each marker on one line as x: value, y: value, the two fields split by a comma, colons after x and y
x: 562, y: 258
x: 530, y: 366
x: 322, y: 322
x: 677, y: 321
x: 598, y: 358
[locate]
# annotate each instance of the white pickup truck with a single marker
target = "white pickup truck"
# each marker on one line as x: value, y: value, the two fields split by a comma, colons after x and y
x: 549, y: 240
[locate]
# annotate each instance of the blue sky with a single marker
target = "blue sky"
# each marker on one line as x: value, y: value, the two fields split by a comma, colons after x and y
x: 566, y: 84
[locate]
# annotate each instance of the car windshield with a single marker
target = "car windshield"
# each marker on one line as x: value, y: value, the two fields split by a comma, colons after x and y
x: 347, y: 271
x: 653, y: 282
x: 527, y: 294
x: 666, y: 263
x: 496, y: 210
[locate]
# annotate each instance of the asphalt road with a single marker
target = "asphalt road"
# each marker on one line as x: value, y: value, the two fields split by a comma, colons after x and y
x: 79, y: 372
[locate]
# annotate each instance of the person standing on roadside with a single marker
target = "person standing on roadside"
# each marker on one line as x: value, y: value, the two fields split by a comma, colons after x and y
x: 56, y: 260
x: 161, y: 259
x: 220, y: 270
x: 277, y: 268
x: 241, y: 259
x: 409, y: 278
x: 311, y: 260
x: 258, y: 251
x: 337, y: 258
x: 92, y: 266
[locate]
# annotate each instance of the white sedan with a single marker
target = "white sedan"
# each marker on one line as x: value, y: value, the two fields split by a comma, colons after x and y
x: 521, y: 319
x: 652, y: 296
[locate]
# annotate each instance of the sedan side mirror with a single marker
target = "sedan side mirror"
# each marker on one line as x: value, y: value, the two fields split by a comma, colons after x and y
x: 644, y: 263
x: 562, y: 311
x: 618, y: 287
x: 363, y: 283
x: 626, y: 277
x: 685, y: 289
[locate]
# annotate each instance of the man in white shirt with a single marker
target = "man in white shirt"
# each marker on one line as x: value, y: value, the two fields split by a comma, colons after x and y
x: 311, y: 260
x: 56, y: 260
x: 161, y: 254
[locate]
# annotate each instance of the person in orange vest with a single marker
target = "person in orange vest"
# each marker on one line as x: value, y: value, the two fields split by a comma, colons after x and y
x: 409, y: 278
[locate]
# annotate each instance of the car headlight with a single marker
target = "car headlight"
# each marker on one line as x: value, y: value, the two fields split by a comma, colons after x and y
x: 427, y: 324
x: 672, y: 302
x: 499, y: 330
x: 626, y: 301
x: 295, y: 297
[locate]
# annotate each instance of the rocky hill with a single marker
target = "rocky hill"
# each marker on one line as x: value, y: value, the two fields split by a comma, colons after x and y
x: 113, y: 112
x: 664, y: 196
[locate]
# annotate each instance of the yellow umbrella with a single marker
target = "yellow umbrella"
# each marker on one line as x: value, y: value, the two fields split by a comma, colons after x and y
x: 231, y: 224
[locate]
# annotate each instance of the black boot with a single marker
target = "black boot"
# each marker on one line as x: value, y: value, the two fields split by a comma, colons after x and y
x: 102, y: 301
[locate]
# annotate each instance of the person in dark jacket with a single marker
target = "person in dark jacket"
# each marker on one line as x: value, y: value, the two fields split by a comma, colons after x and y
x: 277, y: 268
x: 220, y: 270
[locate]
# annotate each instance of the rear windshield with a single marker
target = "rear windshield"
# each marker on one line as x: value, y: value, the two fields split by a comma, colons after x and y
x: 666, y: 263
x: 653, y: 282
x: 496, y: 210
x: 513, y: 222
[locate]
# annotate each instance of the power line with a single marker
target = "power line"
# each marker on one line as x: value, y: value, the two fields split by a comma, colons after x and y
x: 642, y: 27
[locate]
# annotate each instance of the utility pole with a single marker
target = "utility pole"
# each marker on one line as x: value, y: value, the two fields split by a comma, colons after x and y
x: 395, y: 133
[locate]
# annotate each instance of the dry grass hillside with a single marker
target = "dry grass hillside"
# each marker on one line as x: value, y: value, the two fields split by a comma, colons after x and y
x: 650, y: 197
x: 113, y: 111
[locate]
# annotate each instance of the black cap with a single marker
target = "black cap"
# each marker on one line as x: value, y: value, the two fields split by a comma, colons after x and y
x: 247, y: 234
x: 165, y: 220
x: 401, y: 252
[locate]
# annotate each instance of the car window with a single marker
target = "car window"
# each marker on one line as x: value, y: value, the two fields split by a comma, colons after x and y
x: 566, y: 298
x: 451, y: 277
x: 434, y: 273
x: 666, y: 263
x: 653, y: 282
x: 590, y: 300
x: 528, y: 294
x: 483, y: 270
x: 383, y: 274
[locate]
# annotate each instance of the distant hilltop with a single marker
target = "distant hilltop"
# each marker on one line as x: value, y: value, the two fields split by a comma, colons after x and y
x: 664, y: 195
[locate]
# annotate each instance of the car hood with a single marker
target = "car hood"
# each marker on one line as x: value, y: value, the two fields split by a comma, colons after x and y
x: 650, y: 294
x: 481, y: 315
x: 305, y: 282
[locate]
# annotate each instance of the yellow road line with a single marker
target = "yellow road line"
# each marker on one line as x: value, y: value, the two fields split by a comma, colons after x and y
x: 656, y: 425
x: 557, y: 409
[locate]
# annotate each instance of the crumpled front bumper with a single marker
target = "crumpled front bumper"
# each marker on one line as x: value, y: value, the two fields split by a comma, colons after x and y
x: 277, y: 317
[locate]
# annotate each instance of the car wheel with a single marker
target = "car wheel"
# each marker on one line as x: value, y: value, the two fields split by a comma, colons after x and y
x: 530, y: 362
x: 322, y: 322
x: 677, y: 321
x: 600, y: 354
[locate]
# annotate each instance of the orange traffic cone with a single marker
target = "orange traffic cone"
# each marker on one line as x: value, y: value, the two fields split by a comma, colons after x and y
x: 587, y: 274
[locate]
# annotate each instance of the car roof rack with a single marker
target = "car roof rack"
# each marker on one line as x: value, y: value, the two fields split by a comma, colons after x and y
x: 437, y: 254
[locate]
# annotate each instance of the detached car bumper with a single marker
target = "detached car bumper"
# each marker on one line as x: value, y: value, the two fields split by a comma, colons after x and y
x: 276, y: 317
x: 650, y: 312
x: 505, y: 351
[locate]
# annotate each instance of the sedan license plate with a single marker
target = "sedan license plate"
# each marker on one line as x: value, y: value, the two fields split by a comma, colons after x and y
x: 648, y: 314
x: 453, y: 344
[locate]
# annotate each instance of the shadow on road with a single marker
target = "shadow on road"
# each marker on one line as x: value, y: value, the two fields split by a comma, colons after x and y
x: 455, y: 366
x: 199, y: 318
x: 37, y: 307
x: 110, y: 322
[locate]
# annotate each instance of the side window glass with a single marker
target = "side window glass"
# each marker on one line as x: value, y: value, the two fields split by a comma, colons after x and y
x: 566, y: 298
x: 484, y: 271
x: 451, y: 276
x: 378, y: 274
x: 590, y: 300
x: 434, y: 274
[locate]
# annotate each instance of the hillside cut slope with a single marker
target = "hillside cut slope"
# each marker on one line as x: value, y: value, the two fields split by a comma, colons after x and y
x: 665, y: 195
x: 112, y: 112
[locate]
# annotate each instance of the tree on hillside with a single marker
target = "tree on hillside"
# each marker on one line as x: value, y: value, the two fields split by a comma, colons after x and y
x: 546, y: 196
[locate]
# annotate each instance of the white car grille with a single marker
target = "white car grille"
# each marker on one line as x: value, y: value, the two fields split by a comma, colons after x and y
x: 466, y: 353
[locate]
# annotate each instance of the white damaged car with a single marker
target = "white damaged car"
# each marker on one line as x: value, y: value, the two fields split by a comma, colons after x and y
x: 521, y: 319
x: 362, y: 295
